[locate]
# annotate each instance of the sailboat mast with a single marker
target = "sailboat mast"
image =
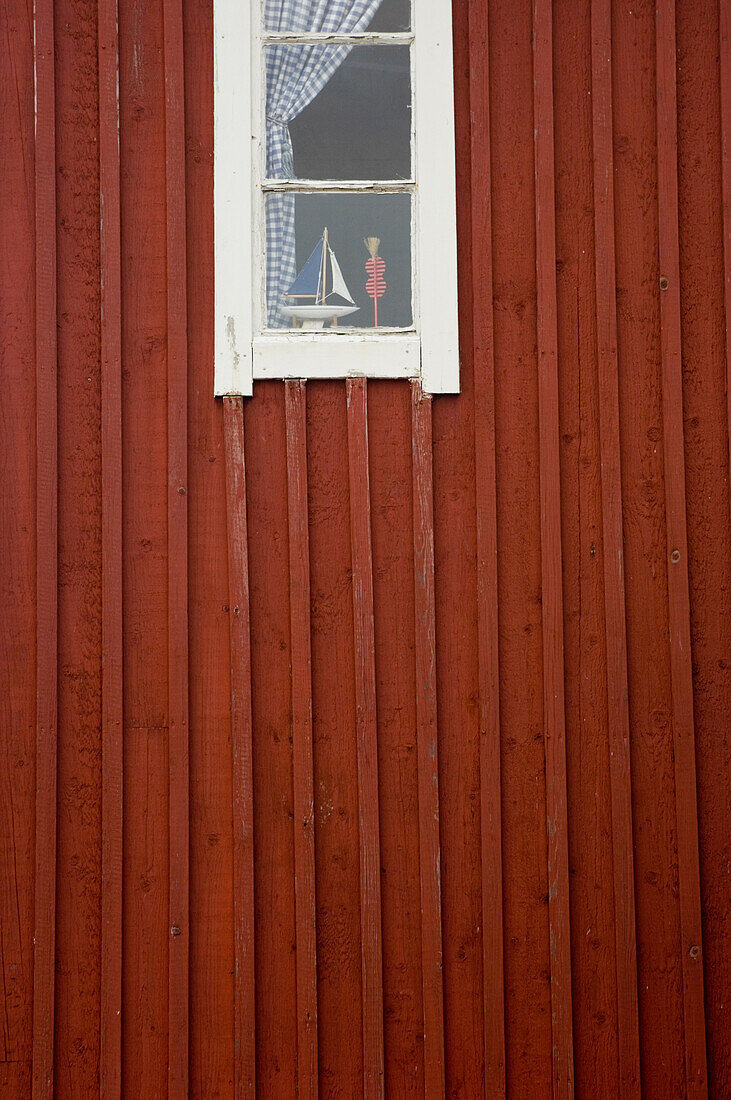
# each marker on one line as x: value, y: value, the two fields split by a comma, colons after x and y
x: 323, y: 270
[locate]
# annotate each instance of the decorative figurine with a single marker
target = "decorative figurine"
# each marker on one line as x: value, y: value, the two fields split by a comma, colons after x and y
x: 311, y: 283
x: 375, y: 267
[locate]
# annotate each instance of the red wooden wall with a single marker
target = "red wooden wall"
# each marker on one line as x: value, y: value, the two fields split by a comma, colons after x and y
x: 420, y: 786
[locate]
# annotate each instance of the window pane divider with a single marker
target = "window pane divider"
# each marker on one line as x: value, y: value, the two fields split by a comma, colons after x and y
x: 340, y: 186
x: 338, y: 333
x: 385, y: 38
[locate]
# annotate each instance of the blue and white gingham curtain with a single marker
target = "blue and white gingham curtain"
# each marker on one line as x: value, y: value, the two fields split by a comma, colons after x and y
x: 295, y: 74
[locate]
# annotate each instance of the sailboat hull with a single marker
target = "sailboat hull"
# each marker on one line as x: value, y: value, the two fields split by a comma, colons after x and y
x: 318, y: 313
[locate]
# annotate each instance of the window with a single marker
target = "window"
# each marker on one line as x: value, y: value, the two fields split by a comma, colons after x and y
x: 335, y: 222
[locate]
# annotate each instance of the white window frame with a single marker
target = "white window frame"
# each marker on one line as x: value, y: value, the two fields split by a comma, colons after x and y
x: 429, y: 350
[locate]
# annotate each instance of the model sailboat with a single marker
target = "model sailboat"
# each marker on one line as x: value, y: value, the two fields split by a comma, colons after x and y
x: 318, y: 281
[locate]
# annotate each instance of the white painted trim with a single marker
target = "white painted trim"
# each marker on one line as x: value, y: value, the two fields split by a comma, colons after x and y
x: 243, y: 350
x: 321, y: 355
x: 233, y: 206
x: 340, y: 186
x: 360, y: 38
x: 436, y: 236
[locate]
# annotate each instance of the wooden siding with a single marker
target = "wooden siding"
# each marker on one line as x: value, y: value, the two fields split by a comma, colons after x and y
x: 356, y: 743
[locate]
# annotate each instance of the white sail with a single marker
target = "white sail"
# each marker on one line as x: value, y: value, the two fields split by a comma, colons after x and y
x: 339, y: 285
x: 314, y: 275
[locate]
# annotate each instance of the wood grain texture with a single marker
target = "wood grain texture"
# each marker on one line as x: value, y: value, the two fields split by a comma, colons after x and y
x: 677, y: 554
x: 389, y: 442
x: 274, y: 887
x: 144, y: 538
x: 44, y: 930
x: 640, y: 394
x: 588, y: 781
x: 17, y: 549
x: 705, y: 422
x: 487, y: 575
x: 366, y: 734
x: 457, y: 660
x: 303, y: 771
x: 334, y: 718
x: 725, y: 57
x: 177, y: 555
x: 613, y: 555
x: 110, y: 1054
x: 527, y: 960
x: 551, y: 586
x: 241, y: 744
x: 426, y: 725
x: 77, y: 1016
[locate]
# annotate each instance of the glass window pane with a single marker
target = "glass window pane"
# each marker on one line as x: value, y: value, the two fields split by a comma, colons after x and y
x: 320, y: 270
x: 392, y: 15
x: 334, y: 16
x: 334, y: 112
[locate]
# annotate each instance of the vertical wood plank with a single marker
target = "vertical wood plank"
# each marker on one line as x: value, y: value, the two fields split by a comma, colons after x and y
x: 44, y: 932
x: 628, y: 1037
x: 268, y: 551
x: 389, y: 445
x: 367, y: 745
x: 145, y: 991
x: 681, y: 676
x: 426, y: 726
x: 648, y: 650
x: 725, y: 58
x: 551, y: 560
x: 337, y: 864
x: 302, y: 759
x: 17, y: 548
x: 702, y: 103
x: 215, y: 1060
x: 241, y: 745
x: 77, y: 1011
x: 525, y: 913
x: 110, y: 1069
x: 177, y: 564
x: 493, y: 979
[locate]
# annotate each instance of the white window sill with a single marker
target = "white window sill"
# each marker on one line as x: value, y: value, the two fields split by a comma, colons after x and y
x: 335, y: 355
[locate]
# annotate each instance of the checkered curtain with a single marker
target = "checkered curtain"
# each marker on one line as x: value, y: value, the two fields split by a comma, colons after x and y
x: 295, y: 74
